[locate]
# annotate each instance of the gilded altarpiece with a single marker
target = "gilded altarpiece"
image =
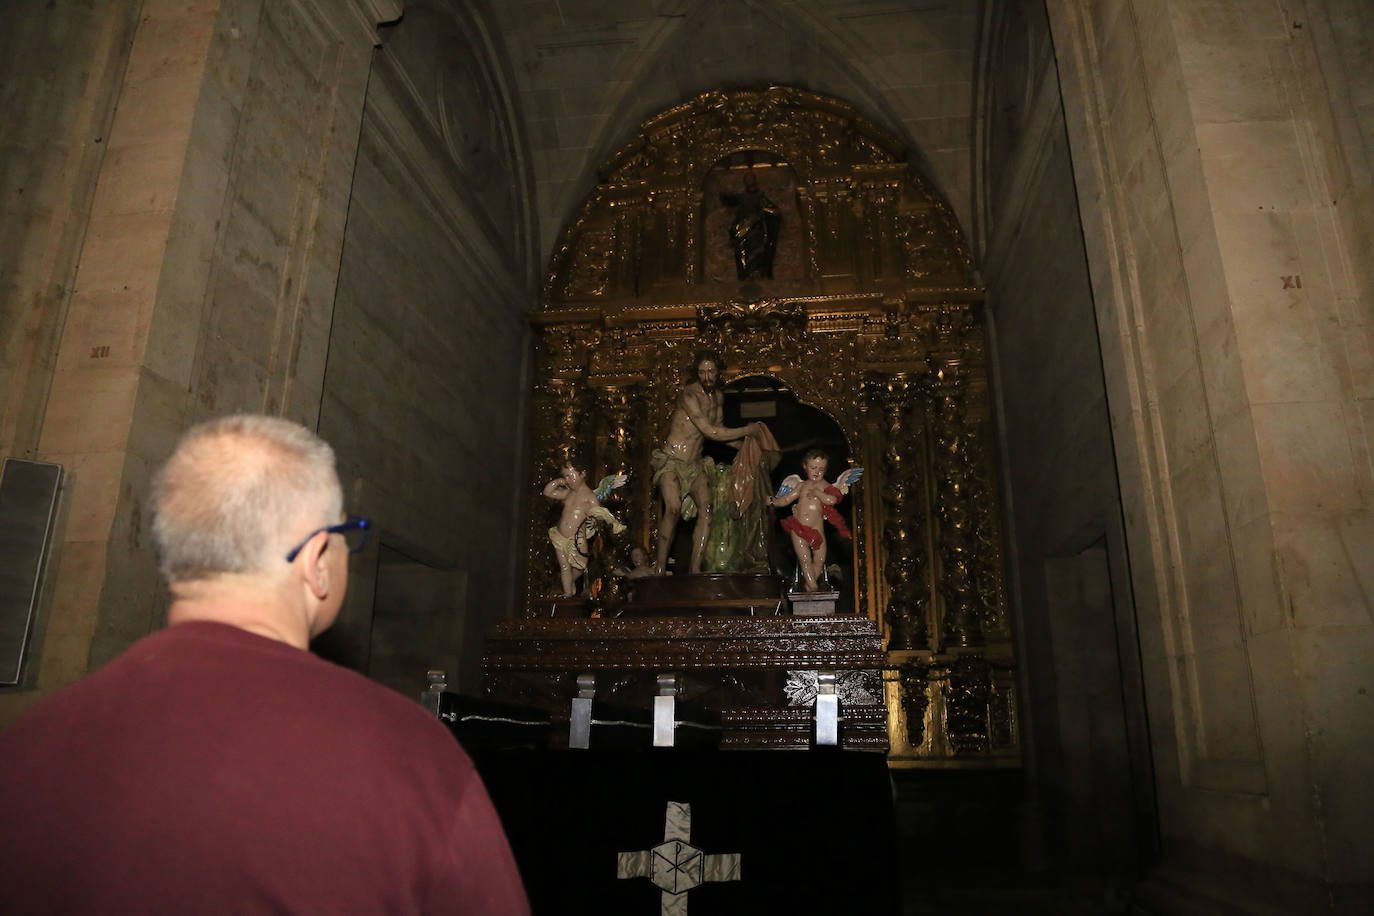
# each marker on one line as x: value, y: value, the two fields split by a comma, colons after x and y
x: 870, y: 315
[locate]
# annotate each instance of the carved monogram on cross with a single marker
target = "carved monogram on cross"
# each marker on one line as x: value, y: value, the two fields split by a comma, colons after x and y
x: 675, y: 865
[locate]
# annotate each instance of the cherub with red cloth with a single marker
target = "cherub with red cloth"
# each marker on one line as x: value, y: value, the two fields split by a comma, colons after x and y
x: 815, y: 500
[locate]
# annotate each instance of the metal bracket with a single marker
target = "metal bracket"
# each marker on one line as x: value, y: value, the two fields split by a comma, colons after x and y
x: 665, y: 710
x: 436, y: 681
x: 827, y: 710
x: 580, y: 720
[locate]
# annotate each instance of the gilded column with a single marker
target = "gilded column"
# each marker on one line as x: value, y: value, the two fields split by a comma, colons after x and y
x: 955, y: 475
x: 903, y: 504
x: 989, y: 580
x: 619, y: 408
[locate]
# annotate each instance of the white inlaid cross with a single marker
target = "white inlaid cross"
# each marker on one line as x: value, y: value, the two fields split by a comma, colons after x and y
x: 677, y: 866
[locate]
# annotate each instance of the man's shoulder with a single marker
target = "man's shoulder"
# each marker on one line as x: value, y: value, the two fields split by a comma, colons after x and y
x: 692, y: 393
x: 223, y: 664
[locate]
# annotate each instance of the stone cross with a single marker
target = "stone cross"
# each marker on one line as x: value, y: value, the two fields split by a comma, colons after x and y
x: 677, y: 866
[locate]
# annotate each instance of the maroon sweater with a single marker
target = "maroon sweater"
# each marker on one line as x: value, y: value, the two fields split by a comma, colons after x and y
x: 211, y: 770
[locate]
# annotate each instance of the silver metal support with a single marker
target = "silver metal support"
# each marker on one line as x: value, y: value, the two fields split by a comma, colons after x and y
x: 665, y: 710
x: 436, y: 681
x: 580, y: 721
x: 827, y: 710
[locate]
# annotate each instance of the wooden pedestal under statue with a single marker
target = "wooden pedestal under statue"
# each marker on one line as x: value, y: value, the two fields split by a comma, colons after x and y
x: 813, y: 604
x: 728, y: 663
x: 702, y: 595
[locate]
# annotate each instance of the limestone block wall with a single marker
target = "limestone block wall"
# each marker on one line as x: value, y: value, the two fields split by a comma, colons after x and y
x: 203, y: 284
x: 1088, y: 771
x: 428, y: 361
x: 52, y: 143
x: 1223, y: 229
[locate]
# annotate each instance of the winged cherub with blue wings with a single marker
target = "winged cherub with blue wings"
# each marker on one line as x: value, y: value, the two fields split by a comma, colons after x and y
x: 815, y: 500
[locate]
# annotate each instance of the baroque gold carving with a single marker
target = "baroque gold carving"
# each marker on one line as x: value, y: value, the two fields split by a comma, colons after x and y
x: 966, y: 698
x: 914, y: 678
x: 884, y: 334
x: 862, y: 216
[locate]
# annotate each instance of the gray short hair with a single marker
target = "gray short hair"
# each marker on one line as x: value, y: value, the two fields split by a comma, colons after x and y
x: 234, y: 492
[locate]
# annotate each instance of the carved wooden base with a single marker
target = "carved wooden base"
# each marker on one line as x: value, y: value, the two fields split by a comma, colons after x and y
x: 704, y: 594
x: 791, y: 728
x: 735, y: 664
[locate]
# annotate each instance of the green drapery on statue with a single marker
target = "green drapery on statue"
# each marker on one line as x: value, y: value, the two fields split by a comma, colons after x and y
x: 740, y: 538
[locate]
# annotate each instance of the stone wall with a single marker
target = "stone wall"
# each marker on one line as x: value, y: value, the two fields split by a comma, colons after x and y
x: 428, y: 361
x: 204, y: 281
x: 52, y: 144
x: 1223, y: 234
x: 1087, y: 754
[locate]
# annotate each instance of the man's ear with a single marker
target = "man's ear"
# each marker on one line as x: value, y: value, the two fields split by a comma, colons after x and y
x: 315, y: 565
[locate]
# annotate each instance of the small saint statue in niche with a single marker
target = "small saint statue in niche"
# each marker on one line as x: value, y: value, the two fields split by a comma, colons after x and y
x: 581, y: 520
x: 753, y: 230
x: 640, y: 567
x: 815, y: 500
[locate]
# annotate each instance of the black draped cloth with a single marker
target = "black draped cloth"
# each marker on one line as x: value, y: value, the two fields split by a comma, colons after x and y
x: 815, y: 830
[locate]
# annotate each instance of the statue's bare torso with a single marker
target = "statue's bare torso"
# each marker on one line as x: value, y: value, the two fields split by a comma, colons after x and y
x: 697, y: 417
x: 685, y: 429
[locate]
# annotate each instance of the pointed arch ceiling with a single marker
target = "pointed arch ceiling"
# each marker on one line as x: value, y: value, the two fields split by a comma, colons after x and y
x: 590, y: 72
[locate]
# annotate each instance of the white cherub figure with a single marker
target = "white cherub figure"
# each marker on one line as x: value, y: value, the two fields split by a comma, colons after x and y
x: 580, y: 521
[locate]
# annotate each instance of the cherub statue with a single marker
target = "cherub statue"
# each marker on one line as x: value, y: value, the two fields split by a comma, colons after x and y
x: 815, y: 500
x: 581, y: 519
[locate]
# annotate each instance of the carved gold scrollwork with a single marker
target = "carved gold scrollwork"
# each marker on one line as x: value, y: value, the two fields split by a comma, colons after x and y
x: 755, y: 326
x: 914, y: 678
x: 1002, y: 728
x: 966, y: 702
x: 590, y: 271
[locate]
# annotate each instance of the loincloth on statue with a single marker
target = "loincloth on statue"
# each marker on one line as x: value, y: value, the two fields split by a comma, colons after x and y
x: 833, y: 516
x: 685, y: 470
x: 567, y: 551
x: 573, y: 550
x: 811, y: 536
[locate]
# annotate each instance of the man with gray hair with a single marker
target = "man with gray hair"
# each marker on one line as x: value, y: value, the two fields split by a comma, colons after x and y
x: 218, y: 766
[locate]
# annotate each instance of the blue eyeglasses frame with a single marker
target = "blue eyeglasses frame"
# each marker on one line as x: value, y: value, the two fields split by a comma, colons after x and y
x: 354, y: 523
